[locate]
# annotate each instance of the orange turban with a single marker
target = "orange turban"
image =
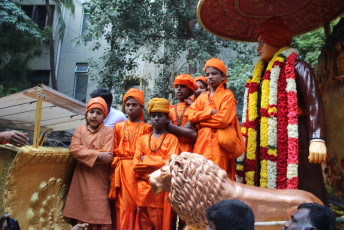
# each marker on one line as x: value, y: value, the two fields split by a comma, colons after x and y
x: 185, y: 79
x: 138, y: 96
x: 97, y: 103
x: 218, y: 64
x: 158, y: 105
x: 202, y: 79
x: 275, y: 32
x: 135, y: 93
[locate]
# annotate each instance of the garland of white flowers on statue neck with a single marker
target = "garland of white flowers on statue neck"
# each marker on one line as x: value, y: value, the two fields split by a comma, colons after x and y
x: 278, y: 123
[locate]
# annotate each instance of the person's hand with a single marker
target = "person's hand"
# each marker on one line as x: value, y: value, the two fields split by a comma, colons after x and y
x: 189, y: 125
x: 80, y: 226
x: 142, y: 157
x: 3, y: 223
x: 15, y: 138
x: 106, y: 157
x: 188, y: 101
x: 213, y: 112
x: 317, y: 152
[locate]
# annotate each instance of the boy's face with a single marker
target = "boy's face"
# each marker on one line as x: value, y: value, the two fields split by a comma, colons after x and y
x: 159, y: 120
x: 201, y: 88
x: 133, y: 108
x: 214, y: 77
x: 299, y: 220
x: 94, y: 117
x: 182, y: 92
x: 266, y: 52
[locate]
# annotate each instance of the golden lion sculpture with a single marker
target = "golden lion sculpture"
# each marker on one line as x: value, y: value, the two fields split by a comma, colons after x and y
x: 196, y: 183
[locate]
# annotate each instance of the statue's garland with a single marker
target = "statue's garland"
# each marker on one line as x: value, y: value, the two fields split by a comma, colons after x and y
x: 278, y: 124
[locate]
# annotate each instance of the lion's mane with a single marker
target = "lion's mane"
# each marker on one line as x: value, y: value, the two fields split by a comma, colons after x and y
x: 196, y: 184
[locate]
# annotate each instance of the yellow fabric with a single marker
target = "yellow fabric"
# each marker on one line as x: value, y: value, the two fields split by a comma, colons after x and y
x: 158, y: 105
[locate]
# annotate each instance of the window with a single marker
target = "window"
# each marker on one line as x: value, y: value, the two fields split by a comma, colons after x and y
x: 85, y: 23
x: 38, y: 14
x: 131, y: 82
x: 39, y: 77
x: 80, y: 82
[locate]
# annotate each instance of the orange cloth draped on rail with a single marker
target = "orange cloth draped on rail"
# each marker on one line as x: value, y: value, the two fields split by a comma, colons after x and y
x: 87, y: 199
x: 185, y: 144
x: 207, y: 143
x: 151, y: 206
x: 127, y: 134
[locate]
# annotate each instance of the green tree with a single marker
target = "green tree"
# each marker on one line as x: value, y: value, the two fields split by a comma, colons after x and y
x: 19, y: 39
x: 310, y: 44
x: 162, y: 32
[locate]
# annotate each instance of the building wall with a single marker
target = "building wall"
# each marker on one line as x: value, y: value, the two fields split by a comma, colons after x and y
x: 68, y: 55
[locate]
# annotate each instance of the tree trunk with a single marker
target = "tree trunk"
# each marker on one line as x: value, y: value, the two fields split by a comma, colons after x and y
x: 191, y: 67
x: 51, y: 47
x: 191, y: 56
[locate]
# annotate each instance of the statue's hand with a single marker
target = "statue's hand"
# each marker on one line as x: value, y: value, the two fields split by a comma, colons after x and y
x: 317, y: 152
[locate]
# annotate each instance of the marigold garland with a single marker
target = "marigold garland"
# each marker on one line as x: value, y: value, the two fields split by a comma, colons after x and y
x: 278, y: 123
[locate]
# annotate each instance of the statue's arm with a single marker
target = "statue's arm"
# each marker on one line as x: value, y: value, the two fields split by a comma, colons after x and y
x: 309, y: 90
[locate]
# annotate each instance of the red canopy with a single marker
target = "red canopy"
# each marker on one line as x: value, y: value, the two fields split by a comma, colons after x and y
x: 238, y: 19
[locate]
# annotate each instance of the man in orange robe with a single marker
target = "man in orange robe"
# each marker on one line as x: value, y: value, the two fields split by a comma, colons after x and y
x: 152, y: 152
x: 127, y: 134
x: 214, y: 110
x: 184, y: 87
x: 91, y: 147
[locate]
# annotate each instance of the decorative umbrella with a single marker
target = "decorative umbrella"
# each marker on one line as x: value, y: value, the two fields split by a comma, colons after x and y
x: 238, y: 19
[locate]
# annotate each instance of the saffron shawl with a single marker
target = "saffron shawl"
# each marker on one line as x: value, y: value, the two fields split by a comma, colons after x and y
x: 278, y: 124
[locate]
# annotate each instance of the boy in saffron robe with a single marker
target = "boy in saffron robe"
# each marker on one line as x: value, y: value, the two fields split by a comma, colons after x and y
x: 213, y: 110
x: 127, y: 134
x: 202, y: 86
x: 184, y: 87
x: 91, y: 147
x: 152, y: 151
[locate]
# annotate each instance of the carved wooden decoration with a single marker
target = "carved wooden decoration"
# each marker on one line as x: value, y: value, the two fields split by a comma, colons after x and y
x: 46, y: 206
x: 330, y: 75
x: 35, y: 187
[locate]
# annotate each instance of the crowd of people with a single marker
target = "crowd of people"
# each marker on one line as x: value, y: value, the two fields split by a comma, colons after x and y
x: 281, y: 98
x: 127, y: 153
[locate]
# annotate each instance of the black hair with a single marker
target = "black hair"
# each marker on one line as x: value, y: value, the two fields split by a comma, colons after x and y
x: 203, y: 83
x: 130, y: 97
x: 321, y: 217
x: 231, y: 215
x: 103, y: 93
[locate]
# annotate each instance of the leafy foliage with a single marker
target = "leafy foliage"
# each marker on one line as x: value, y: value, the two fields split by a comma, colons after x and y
x: 11, y: 15
x: 310, y: 44
x: 19, y: 37
x: 165, y: 33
